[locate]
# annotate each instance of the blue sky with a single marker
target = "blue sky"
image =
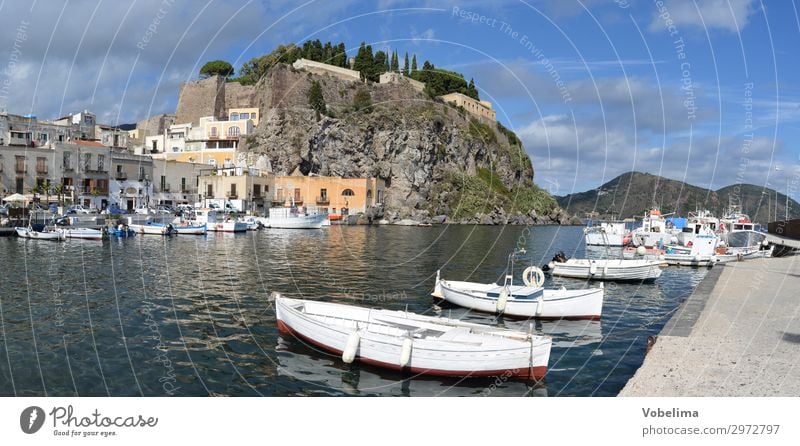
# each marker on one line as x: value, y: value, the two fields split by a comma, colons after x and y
x: 593, y: 88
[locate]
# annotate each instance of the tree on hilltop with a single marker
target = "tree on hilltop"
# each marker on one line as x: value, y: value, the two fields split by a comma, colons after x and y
x: 216, y: 68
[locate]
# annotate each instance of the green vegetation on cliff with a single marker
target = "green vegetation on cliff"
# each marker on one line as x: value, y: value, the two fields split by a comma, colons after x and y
x: 472, y: 195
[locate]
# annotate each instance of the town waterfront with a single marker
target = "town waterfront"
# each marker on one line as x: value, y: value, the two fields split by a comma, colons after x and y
x: 191, y: 316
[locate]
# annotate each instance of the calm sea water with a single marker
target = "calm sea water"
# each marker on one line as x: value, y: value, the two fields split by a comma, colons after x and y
x: 190, y: 315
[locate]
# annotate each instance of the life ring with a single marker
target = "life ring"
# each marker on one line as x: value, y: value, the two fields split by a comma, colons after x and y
x: 533, y: 276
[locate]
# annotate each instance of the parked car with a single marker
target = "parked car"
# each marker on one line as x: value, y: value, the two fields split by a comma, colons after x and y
x: 78, y: 209
x: 3, y: 209
x: 114, y: 209
x: 164, y: 209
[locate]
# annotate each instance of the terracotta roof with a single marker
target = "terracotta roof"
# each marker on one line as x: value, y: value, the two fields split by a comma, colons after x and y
x: 83, y: 142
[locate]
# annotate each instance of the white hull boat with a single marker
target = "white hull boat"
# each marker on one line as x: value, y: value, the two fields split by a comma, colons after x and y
x: 152, y: 229
x: 84, y: 233
x: 606, y: 269
x: 251, y: 222
x: 414, y: 343
x: 184, y: 228
x: 289, y: 218
x: 227, y: 226
x: 606, y: 234
x: 523, y: 301
x: 56, y: 234
x: 690, y: 260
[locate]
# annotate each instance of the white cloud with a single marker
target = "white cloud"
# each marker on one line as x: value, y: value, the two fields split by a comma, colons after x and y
x: 727, y: 15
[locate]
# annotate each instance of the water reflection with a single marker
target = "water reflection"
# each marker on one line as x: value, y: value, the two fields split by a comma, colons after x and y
x: 190, y: 315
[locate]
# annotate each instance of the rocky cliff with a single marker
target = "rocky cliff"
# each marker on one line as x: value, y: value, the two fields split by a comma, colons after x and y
x: 438, y: 162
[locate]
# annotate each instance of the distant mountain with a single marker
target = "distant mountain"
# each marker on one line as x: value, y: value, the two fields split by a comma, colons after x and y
x: 633, y: 193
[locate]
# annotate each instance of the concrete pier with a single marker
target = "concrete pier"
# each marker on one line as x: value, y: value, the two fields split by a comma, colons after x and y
x: 737, y: 335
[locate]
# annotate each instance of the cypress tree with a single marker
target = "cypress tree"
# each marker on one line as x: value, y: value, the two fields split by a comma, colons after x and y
x: 315, y: 99
x: 395, y: 63
x: 406, y: 69
x: 414, y: 64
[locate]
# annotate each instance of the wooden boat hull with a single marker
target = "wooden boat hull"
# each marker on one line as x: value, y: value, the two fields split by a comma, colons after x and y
x: 454, y: 353
x: 549, y: 304
x: 613, y: 270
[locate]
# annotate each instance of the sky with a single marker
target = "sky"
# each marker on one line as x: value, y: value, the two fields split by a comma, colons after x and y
x: 704, y: 91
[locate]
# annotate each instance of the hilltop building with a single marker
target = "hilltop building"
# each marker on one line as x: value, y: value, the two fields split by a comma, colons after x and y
x: 480, y: 109
x: 325, y: 69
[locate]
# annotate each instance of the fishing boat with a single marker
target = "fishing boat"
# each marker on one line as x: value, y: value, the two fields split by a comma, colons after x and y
x: 295, y: 218
x: 642, y: 252
x: 84, y: 233
x: 604, y: 269
x: 697, y: 242
x: 121, y: 231
x: 184, y: 227
x: 655, y: 231
x: 216, y: 223
x: 607, y: 234
x: 251, y: 222
x: 44, y: 234
x: 414, y: 343
x: 153, y: 229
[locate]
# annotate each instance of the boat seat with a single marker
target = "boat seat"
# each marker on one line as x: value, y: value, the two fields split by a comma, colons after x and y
x: 454, y: 334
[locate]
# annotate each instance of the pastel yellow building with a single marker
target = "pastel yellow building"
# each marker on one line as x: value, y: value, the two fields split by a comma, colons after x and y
x: 244, y: 114
x: 335, y: 195
x: 482, y: 109
x: 245, y: 189
x: 213, y: 157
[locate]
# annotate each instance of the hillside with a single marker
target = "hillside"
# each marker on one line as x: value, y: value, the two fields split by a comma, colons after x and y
x: 633, y: 193
x: 436, y: 159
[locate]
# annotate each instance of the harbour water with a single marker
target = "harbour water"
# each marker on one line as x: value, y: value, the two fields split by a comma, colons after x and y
x: 190, y: 315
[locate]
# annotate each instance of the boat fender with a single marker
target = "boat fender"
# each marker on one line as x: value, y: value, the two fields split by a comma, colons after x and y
x: 641, y: 250
x: 351, y: 348
x: 437, y: 289
x: 593, y: 268
x: 502, y: 300
x: 405, y: 352
x: 540, y: 305
x: 533, y: 276
x: 605, y: 271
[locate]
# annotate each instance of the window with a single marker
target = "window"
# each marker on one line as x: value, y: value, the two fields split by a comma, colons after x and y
x: 212, y: 162
x: 297, y: 195
x: 67, y: 161
x: 252, y: 115
x: 233, y: 131
x: 183, y: 184
x: 41, y: 165
x: 43, y: 137
x: 101, y: 163
x: 20, y: 185
x: 87, y: 162
x: 119, y: 168
x: 323, y: 193
x: 348, y: 193
x: 213, y: 132
x: 234, y: 116
x: 233, y: 190
x: 209, y: 190
x: 155, y: 145
x: 256, y: 190
x: 141, y: 173
x: 20, y: 164
x: 245, y: 116
x: 163, y: 182
x: 369, y: 194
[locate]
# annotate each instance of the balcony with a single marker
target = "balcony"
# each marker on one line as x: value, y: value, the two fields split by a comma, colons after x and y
x: 231, y: 196
x: 21, y: 169
x: 41, y: 170
x: 121, y: 176
x: 323, y: 200
x: 68, y: 168
x: 165, y: 187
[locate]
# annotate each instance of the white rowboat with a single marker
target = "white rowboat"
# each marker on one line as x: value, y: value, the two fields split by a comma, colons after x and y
x: 607, y: 269
x: 56, y: 234
x: 523, y: 301
x: 84, y: 233
x: 414, y: 343
x: 153, y: 229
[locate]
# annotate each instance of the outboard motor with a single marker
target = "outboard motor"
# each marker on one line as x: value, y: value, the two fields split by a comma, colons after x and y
x: 559, y: 257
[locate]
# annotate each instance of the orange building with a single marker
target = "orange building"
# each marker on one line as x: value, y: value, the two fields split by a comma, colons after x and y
x: 335, y: 195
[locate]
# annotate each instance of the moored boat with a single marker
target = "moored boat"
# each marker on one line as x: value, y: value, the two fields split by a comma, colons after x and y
x: 522, y: 301
x: 84, y: 233
x: 216, y: 223
x: 414, y: 343
x: 607, y: 234
x: 46, y: 234
x: 604, y: 269
x: 153, y: 229
x: 295, y: 218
